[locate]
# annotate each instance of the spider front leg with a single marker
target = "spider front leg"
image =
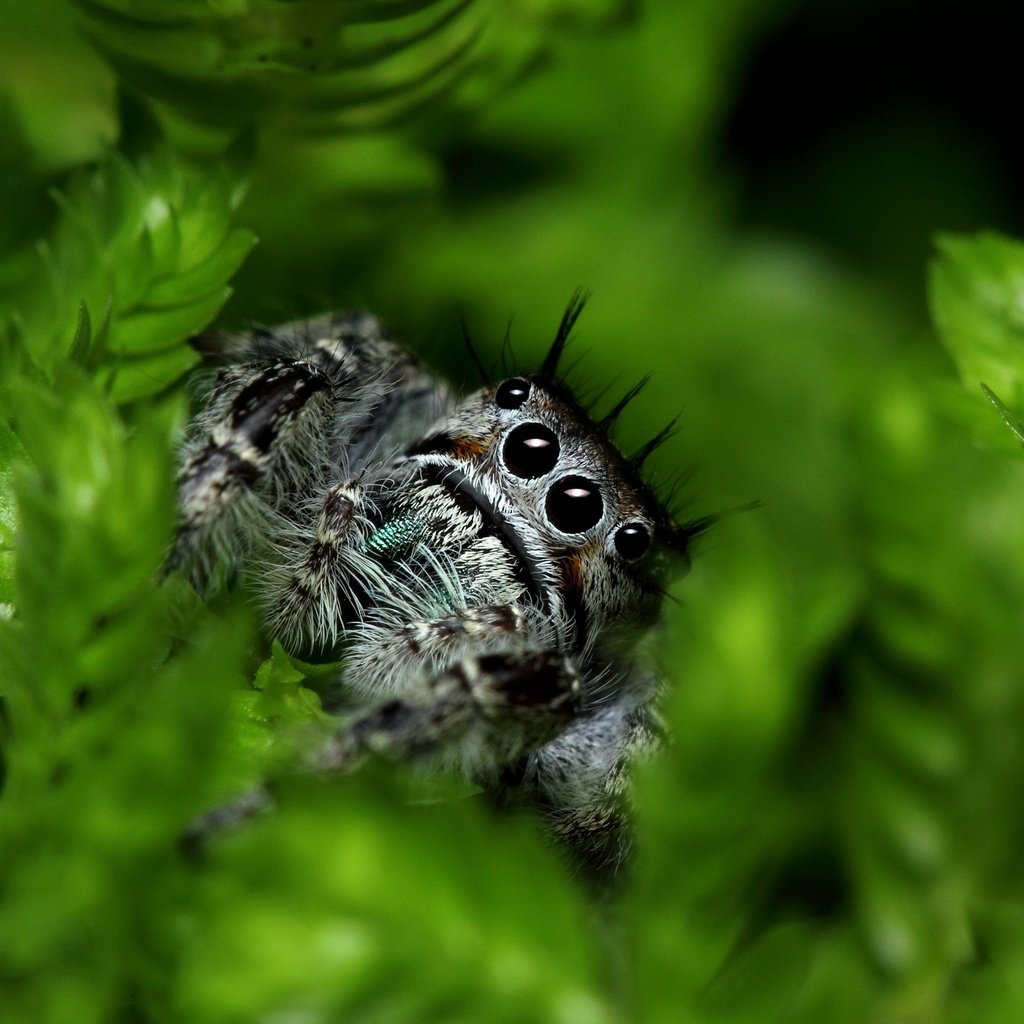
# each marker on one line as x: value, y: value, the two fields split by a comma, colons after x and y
x: 256, y: 443
x: 580, y: 783
x: 480, y: 713
x: 301, y: 403
x: 318, y: 587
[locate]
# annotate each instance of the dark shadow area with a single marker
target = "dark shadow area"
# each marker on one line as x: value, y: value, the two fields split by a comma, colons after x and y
x: 867, y: 126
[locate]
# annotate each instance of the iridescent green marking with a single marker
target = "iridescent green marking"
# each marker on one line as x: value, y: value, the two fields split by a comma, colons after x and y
x: 394, y: 537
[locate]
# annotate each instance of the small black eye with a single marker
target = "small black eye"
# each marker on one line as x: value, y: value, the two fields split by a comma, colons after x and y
x: 531, y: 450
x: 512, y: 393
x: 574, y: 504
x: 632, y: 541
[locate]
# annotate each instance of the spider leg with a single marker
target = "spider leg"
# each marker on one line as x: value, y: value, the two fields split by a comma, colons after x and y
x: 515, y: 721
x: 323, y: 578
x: 302, y: 401
x: 480, y: 712
x: 580, y: 782
x: 479, y: 709
x: 261, y: 446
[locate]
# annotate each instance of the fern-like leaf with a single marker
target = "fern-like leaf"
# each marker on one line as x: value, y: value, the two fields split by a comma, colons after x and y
x: 140, y: 256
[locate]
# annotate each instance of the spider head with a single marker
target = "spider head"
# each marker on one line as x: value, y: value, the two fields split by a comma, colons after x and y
x: 588, y: 531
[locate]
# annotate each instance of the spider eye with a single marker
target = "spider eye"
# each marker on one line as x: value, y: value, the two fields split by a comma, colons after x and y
x: 632, y: 541
x: 531, y: 450
x: 574, y: 504
x: 512, y: 393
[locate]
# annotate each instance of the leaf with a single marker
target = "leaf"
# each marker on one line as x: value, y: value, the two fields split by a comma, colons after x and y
x: 227, y: 64
x: 11, y: 452
x: 219, y: 266
x: 1015, y: 425
x: 130, y: 380
x: 977, y: 301
x: 281, y: 693
x: 144, y: 248
x: 322, y: 65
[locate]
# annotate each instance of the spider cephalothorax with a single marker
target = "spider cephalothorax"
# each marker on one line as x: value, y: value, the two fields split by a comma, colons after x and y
x: 487, y: 566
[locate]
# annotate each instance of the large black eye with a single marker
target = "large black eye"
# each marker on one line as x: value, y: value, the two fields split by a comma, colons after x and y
x: 632, y: 541
x: 530, y: 450
x: 512, y: 393
x: 574, y: 504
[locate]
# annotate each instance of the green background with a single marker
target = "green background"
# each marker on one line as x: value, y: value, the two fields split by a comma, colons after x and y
x: 784, y: 212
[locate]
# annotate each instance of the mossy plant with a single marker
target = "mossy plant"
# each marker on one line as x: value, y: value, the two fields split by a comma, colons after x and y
x: 830, y: 832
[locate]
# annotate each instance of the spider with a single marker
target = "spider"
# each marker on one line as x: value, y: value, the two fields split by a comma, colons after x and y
x: 486, y: 566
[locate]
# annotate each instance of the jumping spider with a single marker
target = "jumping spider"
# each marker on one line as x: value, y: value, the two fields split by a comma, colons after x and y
x: 486, y: 566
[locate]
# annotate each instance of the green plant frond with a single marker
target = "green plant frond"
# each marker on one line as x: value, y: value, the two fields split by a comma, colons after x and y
x: 228, y: 64
x: 11, y: 455
x: 976, y: 284
x: 1015, y: 425
x: 369, y: 64
x: 830, y: 830
x: 144, y: 250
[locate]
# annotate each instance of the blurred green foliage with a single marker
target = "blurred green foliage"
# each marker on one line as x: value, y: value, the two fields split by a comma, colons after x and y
x: 831, y: 833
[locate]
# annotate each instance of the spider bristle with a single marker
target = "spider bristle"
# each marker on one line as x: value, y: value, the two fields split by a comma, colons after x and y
x: 663, y: 593
x: 640, y: 456
x: 679, y: 536
x: 667, y: 490
x: 572, y: 312
x: 473, y: 354
x: 567, y: 374
x: 590, y: 399
x: 508, y: 353
x: 695, y: 527
x: 668, y: 495
x: 608, y: 421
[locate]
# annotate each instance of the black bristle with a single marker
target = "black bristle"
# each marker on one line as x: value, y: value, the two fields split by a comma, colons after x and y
x: 550, y: 365
x: 508, y: 353
x: 608, y: 421
x: 679, y: 535
x: 473, y: 354
x: 640, y: 456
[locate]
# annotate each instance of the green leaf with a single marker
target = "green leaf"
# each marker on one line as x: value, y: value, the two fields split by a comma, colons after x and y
x: 325, y: 66
x: 11, y: 452
x: 977, y: 300
x: 129, y: 380
x: 146, y: 329
x: 282, y: 696
x: 181, y: 287
x: 1015, y: 425
x: 147, y: 249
